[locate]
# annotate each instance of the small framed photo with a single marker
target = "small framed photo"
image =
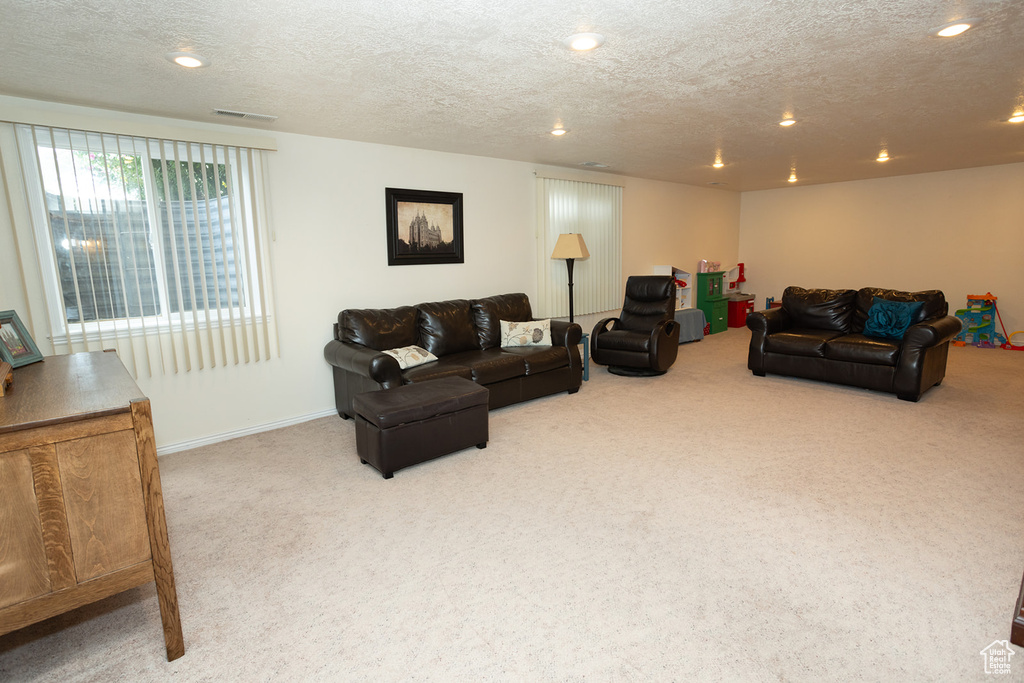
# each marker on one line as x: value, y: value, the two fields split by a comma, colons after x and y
x: 423, y: 227
x: 16, y: 344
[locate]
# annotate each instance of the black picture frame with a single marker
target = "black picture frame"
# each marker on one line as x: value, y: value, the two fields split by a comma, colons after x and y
x: 16, y: 345
x: 423, y: 227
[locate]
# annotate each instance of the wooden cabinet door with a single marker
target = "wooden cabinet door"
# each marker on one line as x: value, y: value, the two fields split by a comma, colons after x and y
x: 23, y: 565
x: 103, y: 496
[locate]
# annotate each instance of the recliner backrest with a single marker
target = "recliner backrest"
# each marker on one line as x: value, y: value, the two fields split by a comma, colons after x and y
x: 649, y: 300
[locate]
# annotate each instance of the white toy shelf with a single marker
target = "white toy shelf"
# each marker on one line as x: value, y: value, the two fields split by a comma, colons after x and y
x: 684, y: 292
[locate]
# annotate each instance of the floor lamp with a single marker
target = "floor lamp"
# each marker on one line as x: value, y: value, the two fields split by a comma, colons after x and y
x: 570, y: 247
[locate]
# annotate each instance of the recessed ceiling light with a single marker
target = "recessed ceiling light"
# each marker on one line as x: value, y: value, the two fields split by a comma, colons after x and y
x: 1018, y: 117
x: 188, y: 60
x: 792, y: 177
x: 559, y: 131
x: 953, y: 28
x: 581, y: 42
x: 787, y: 122
x: 718, y: 164
x: 883, y: 156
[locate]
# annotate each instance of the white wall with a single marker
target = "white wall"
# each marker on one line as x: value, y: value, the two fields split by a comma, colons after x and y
x: 329, y: 253
x: 958, y: 231
x: 678, y: 225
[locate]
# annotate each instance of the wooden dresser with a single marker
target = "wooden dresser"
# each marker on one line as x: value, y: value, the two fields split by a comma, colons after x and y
x: 81, y: 509
x: 1017, y: 629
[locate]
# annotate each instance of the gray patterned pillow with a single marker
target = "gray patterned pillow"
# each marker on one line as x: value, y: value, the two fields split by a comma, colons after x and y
x: 411, y: 356
x: 529, y: 333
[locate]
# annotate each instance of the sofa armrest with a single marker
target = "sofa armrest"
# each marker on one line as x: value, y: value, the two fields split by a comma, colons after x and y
x: 364, y: 361
x: 769, y: 321
x: 932, y: 332
x: 922, y: 362
x: 565, y: 333
x: 761, y: 324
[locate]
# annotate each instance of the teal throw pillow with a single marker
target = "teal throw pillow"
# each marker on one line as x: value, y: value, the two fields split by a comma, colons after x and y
x: 890, y: 319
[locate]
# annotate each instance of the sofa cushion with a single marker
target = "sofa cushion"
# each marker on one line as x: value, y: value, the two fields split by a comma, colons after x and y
x: 799, y: 342
x: 856, y: 348
x: 934, y: 304
x: 491, y: 365
x: 820, y: 309
x: 429, y: 371
x: 540, y: 359
x: 489, y: 312
x: 379, y: 328
x: 890, y: 319
x: 446, y: 327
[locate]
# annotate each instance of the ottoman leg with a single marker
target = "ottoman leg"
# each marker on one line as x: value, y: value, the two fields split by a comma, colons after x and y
x: 482, y: 445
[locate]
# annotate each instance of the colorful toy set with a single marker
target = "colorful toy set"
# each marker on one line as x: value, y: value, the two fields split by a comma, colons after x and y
x: 979, y: 324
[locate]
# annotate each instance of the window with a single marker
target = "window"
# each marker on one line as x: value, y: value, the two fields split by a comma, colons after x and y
x: 594, y: 211
x: 144, y: 240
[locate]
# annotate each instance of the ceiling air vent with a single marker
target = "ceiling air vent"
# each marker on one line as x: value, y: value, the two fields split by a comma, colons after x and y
x: 247, y: 116
x: 593, y: 164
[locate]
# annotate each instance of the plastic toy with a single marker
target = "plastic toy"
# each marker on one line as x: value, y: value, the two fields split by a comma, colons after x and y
x: 979, y: 325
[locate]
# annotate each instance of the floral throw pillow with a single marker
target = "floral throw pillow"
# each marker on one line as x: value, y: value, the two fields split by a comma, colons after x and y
x: 410, y: 356
x: 529, y: 333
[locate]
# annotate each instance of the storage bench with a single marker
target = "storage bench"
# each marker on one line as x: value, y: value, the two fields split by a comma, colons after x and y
x: 413, y: 423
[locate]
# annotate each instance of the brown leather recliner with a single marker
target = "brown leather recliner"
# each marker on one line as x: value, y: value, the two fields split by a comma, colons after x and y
x: 644, y: 339
x: 820, y: 334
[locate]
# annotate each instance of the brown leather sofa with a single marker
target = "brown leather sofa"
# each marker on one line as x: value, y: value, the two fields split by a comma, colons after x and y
x: 819, y: 334
x: 465, y: 335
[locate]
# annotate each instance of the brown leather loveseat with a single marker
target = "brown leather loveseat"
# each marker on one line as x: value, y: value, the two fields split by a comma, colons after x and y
x: 465, y: 335
x: 829, y: 335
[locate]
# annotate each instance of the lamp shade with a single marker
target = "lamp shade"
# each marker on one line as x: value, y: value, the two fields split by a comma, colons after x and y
x: 570, y: 246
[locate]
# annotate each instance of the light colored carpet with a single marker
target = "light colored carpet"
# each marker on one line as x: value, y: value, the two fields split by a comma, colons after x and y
x: 702, y: 525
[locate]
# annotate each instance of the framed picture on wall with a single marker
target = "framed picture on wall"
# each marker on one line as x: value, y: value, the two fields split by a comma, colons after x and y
x: 16, y: 344
x: 423, y: 227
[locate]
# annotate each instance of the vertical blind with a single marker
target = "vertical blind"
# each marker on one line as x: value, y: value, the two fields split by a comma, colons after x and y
x: 156, y: 248
x: 594, y: 211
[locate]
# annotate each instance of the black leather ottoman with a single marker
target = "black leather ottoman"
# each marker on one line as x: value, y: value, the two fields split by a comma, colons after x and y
x: 414, y: 423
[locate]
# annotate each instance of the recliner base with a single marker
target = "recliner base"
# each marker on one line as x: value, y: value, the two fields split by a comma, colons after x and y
x: 634, y: 372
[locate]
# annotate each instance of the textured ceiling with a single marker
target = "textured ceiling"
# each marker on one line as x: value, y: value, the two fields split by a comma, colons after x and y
x: 675, y: 81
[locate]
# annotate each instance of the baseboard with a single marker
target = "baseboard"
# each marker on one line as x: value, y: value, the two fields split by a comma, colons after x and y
x: 235, y: 433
